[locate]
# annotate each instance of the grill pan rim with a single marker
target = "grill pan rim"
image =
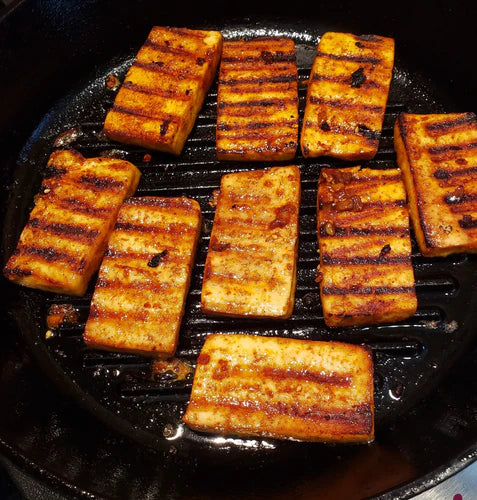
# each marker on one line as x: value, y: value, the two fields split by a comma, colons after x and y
x: 458, y: 466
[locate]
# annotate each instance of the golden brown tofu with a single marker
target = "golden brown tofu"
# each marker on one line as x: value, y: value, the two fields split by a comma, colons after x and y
x: 365, y: 248
x: 67, y: 232
x: 347, y: 95
x: 283, y: 388
x: 250, y: 268
x: 438, y: 156
x: 257, y: 103
x: 164, y: 89
x: 139, y: 299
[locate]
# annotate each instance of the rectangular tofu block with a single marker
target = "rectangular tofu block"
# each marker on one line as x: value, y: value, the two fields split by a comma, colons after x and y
x: 347, y: 95
x: 257, y: 103
x: 139, y: 299
x: 66, y: 235
x: 250, y: 268
x: 163, y: 91
x: 437, y: 154
x: 283, y: 388
x: 365, y: 248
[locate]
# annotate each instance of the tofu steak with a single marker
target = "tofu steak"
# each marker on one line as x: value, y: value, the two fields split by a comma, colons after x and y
x: 283, y: 388
x: 140, y: 295
x: 67, y: 232
x: 250, y: 269
x: 366, y: 274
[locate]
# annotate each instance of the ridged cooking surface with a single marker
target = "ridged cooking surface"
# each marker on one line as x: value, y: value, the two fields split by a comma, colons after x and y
x: 119, y: 387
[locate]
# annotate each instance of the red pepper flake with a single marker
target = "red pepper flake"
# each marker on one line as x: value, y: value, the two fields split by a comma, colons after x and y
x: 112, y: 82
x: 147, y: 158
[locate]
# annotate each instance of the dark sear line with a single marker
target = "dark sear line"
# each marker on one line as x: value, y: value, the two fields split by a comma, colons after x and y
x: 445, y: 125
x: 225, y: 127
x: 159, y: 67
x: 456, y: 199
x: 167, y: 49
x: 444, y: 174
x: 101, y: 183
x: 346, y: 80
x: 135, y: 286
x: 66, y: 230
x: 435, y: 150
x: 173, y: 228
x: 50, y: 254
x: 369, y: 204
x: 266, y: 57
x: 340, y: 232
x: 342, y: 104
x: 279, y: 103
x: 141, y: 89
x: 366, y: 290
x: 359, y: 59
x: 286, y: 78
x: 141, y: 113
x: 360, y: 130
x: 338, y: 261
x: 82, y: 207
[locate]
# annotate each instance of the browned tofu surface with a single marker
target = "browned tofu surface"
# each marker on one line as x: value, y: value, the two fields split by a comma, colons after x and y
x: 438, y: 156
x: 139, y: 299
x: 164, y: 89
x: 347, y: 95
x: 63, y: 242
x: 257, y: 104
x: 283, y: 388
x: 365, y: 248
x: 250, y: 268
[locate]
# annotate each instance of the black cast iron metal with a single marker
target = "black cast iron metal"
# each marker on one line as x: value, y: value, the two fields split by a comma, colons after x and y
x: 95, y: 423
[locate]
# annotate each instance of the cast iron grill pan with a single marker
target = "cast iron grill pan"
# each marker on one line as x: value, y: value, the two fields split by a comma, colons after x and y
x: 411, y: 357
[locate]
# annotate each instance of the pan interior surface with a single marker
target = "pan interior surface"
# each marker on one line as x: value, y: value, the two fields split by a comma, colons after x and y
x: 413, y: 358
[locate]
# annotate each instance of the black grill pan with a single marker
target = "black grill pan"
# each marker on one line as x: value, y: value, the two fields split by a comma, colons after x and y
x: 425, y: 413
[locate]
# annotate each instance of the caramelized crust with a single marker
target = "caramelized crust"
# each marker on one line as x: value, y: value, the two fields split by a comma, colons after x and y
x: 257, y: 103
x: 63, y: 242
x: 365, y: 248
x: 438, y: 157
x: 139, y: 299
x: 347, y: 95
x: 283, y: 388
x: 250, y: 268
x: 164, y: 89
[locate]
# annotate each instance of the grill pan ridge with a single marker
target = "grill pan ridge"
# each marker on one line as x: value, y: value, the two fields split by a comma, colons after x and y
x: 411, y: 357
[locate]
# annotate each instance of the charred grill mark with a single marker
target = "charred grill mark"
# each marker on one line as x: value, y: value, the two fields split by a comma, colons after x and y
x: 339, y: 261
x: 356, y: 419
x: 137, y: 286
x: 159, y: 67
x: 286, y: 78
x: 141, y: 113
x: 82, y: 207
x: 467, y: 222
x: 51, y: 254
x: 343, y: 57
x: 167, y: 94
x: 360, y: 130
x: 19, y: 272
x: 436, y: 150
x: 366, y: 83
x: 341, y: 232
x: 444, y: 174
x: 101, y: 314
x: 342, y: 104
x: 225, y: 127
x: 342, y: 380
x: 372, y: 204
x: 279, y: 103
x: 367, y: 290
x: 358, y: 78
x: 456, y: 199
x: 52, y: 171
x: 167, y: 49
x: 445, y: 125
x: 155, y: 261
x: 173, y: 228
x: 144, y: 201
x: 66, y: 230
x: 266, y: 57
x: 101, y: 183
x: 369, y: 38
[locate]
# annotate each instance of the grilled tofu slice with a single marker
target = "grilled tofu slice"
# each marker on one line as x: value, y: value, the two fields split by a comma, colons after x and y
x: 139, y: 299
x: 365, y: 248
x: 347, y: 95
x: 163, y: 91
x: 283, y: 388
x: 66, y: 235
x: 257, y: 103
x: 437, y: 154
x: 250, y: 268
